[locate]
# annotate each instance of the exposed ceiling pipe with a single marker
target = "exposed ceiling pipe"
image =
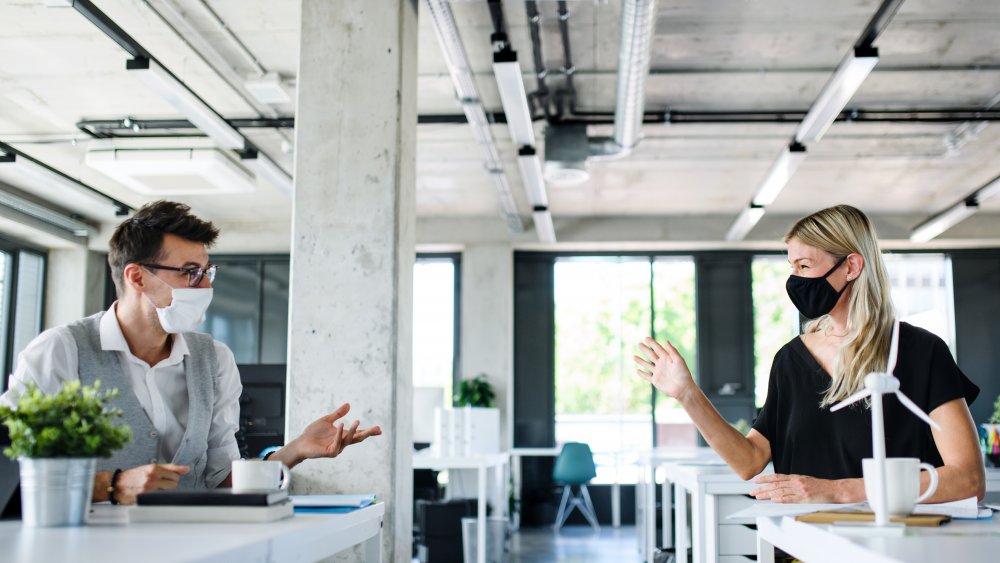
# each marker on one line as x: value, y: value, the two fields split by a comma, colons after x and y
x: 446, y: 31
x: 638, y: 18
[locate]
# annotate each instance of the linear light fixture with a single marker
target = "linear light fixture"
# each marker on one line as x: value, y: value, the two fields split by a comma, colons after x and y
x: 744, y: 223
x: 507, y: 71
x: 268, y: 169
x: 945, y: 220
x: 175, y: 93
x: 543, y: 224
x: 532, y: 176
x: 53, y: 185
x: 51, y: 217
x: 836, y: 93
x: 779, y: 174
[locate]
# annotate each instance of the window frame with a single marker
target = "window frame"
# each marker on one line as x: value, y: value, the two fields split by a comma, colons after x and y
x: 14, y: 248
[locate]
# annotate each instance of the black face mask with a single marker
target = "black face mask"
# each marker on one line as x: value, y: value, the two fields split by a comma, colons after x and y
x: 814, y: 297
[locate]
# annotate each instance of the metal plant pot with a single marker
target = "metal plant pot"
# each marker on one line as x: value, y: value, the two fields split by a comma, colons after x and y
x: 56, y: 491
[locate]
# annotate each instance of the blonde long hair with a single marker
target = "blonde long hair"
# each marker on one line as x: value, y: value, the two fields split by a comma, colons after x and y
x: 843, y: 230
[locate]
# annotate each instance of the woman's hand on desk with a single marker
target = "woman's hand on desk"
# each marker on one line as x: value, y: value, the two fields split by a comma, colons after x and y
x: 802, y: 489
x: 324, y: 438
x: 664, y: 367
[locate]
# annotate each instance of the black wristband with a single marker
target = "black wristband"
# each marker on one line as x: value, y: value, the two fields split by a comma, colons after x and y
x: 268, y: 454
x: 111, y: 486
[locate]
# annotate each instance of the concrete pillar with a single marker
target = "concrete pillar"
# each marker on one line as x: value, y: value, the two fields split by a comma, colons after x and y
x: 353, y: 247
x: 487, y: 335
x: 74, y: 285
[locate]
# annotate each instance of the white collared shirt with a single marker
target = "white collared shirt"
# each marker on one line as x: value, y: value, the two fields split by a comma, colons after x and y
x: 51, y: 359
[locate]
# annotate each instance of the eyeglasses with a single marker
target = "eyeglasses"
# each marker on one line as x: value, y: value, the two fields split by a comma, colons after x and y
x: 195, y: 275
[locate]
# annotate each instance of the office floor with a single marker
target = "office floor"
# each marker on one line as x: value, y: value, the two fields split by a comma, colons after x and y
x: 574, y: 544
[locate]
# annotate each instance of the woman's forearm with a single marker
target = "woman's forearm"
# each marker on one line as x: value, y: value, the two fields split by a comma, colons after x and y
x: 739, y: 452
x: 955, y: 483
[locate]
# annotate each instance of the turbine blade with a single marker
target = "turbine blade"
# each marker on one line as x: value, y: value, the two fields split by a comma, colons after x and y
x: 916, y: 410
x: 850, y: 400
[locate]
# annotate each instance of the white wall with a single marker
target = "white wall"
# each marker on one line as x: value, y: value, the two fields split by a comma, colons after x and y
x: 74, y: 285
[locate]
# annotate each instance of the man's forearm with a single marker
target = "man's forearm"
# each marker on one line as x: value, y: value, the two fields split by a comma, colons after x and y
x: 287, y: 455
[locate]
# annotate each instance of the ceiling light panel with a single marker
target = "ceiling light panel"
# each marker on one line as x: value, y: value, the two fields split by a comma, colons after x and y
x: 779, y: 174
x: 514, y: 99
x: 744, y: 223
x: 845, y: 82
x: 173, y: 171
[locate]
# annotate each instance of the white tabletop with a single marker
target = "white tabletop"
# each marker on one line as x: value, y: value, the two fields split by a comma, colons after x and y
x: 664, y: 454
x: 303, y: 537
x: 535, y: 452
x: 959, y: 540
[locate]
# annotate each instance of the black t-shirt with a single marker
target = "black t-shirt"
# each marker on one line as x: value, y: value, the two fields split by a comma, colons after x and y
x: 809, y: 440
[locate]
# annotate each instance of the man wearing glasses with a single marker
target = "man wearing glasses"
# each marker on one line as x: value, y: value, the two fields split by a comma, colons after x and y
x: 179, y: 389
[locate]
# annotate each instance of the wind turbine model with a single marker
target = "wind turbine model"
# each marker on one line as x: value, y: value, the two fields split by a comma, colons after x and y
x: 876, y: 385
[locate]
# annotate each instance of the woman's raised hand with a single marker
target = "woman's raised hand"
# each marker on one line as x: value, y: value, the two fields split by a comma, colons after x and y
x: 664, y: 368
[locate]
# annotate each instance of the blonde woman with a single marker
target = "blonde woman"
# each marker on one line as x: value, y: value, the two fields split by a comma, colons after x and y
x: 839, y: 280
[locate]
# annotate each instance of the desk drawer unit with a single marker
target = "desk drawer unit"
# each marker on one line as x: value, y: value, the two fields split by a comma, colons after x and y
x: 729, y: 504
x: 737, y: 539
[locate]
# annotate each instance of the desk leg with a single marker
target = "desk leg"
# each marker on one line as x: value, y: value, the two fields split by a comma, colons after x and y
x: 682, y: 541
x: 515, y: 471
x: 698, y: 526
x: 481, y: 528
x: 765, y: 550
x: 649, y: 514
x: 373, y: 547
x: 710, y: 534
x: 616, y: 505
x: 666, y: 499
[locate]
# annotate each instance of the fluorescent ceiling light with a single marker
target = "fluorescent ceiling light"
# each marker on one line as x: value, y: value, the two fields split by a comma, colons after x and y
x: 270, y: 171
x: 532, y: 176
x: 988, y: 191
x: 52, y: 217
x: 173, y: 171
x: 60, y: 189
x: 744, y: 223
x: 779, y: 174
x: 838, y: 91
x: 269, y: 89
x: 186, y: 102
x: 943, y: 221
x: 543, y: 225
x: 507, y: 71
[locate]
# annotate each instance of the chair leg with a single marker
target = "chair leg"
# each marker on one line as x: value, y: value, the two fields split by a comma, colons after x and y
x: 588, y: 509
x: 561, y: 515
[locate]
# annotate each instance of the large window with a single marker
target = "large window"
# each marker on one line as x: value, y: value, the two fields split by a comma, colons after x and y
x: 434, y: 329
x: 775, y: 319
x: 604, y: 306
x: 22, y: 287
x: 922, y: 292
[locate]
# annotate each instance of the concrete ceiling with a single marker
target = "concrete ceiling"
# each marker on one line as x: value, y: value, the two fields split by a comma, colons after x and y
x: 56, y: 69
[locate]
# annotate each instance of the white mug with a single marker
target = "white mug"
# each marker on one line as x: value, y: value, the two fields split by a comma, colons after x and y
x: 902, y: 483
x: 252, y: 475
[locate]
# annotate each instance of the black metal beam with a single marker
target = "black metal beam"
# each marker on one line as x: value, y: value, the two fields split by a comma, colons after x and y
x: 878, y: 23
x: 110, y: 28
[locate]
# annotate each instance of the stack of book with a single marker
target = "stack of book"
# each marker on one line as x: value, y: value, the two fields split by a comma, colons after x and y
x: 213, y: 505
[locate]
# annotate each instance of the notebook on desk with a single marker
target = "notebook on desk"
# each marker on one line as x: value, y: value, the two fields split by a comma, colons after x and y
x: 211, y: 497
x: 175, y: 513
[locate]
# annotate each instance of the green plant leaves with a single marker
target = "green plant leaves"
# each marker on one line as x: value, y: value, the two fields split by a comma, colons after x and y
x: 475, y: 392
x: 74, y: 422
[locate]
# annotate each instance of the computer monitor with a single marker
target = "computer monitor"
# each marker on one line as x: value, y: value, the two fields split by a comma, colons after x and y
x: 425, y: 400
x: 262, y: 406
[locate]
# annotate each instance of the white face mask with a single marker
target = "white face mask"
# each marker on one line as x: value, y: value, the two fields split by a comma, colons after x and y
x: 186, y: 311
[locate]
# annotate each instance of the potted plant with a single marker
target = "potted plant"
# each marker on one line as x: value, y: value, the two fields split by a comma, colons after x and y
x: 56, y: 440
x: 475, y: 392
x: 989, y: 435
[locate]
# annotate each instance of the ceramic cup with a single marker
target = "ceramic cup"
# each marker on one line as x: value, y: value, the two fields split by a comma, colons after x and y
x: 902, y: 480
x: 252, y: 475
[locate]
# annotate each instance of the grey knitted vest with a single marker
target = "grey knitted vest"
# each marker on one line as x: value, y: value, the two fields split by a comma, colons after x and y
x: 199, y: 371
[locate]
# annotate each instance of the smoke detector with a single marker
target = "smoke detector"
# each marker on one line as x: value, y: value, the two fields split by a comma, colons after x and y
x: 173, y: 171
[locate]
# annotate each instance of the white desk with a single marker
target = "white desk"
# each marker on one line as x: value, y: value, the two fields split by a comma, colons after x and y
x: 645, y: 502
x: 716, y: 492
x: 959, y: 540
x: 481, y: 463
x: 110, y: 539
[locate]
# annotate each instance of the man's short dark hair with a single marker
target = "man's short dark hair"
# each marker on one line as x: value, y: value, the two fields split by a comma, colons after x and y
x: 140, y: 239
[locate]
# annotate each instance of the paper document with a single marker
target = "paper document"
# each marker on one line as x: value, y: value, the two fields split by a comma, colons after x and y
x: 773, y: 509
x: 329, y: 501
x: 965, y: 508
